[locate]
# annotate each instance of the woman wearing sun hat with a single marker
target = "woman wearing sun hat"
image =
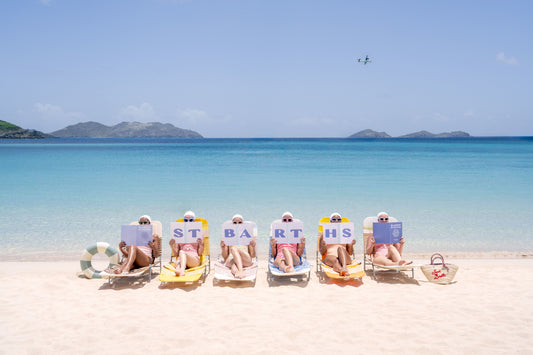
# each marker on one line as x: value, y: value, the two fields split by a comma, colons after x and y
x: 237, y: 257
x: 287, y: 255
x: 188, y: 254
x: 337, y: 255
x: 136, y: 255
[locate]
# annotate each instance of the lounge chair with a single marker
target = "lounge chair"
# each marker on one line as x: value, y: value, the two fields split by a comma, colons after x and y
x: 301, y: 271
x: 223, y: 273
x: 355, y: 269
x: 156, y: 257
x: 194, y: 274
x: 368, y: 225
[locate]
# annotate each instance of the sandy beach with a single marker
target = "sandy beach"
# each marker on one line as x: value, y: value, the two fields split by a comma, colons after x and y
x: 48, y: 308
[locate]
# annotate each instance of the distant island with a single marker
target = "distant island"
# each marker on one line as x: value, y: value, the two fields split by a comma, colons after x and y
x: 11, y: 131
x: 125, y: 130
x: 368, y: 133
x: 98, y: 130
x: 165, y: 130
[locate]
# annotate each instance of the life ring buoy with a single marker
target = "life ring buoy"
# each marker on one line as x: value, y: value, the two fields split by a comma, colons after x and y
x: 86, y: 264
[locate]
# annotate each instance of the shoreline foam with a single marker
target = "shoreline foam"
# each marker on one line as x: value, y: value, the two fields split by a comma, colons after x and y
x: 71, y: 255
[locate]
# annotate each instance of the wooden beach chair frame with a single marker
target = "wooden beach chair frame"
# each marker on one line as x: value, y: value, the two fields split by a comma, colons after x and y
x: 156, y: 229
x: 368, y: 258
x: 355, y: 268
x: 194, y: 274
x: 223, y: 273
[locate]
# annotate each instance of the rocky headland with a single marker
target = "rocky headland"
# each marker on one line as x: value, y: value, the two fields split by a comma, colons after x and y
x: 11, y: 131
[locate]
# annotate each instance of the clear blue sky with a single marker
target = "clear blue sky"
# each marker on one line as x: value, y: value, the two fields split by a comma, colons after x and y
x: 270, y: 68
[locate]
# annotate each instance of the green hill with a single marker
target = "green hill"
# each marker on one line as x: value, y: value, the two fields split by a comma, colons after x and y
x: 6, y: 127
x: 11, y: 131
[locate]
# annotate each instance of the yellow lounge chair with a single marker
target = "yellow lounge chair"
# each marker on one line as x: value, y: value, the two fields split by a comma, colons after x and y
x: 368, y: 225
x: 194, y: 274
x: 156, y: 229
x: 355, y: 269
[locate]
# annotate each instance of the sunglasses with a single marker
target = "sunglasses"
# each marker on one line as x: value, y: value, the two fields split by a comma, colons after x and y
x: 287, y: 219
x: 336, y: 219
x: 144, y: 222
x: 188, y: 220
x: 384, y: 219
x: 235, y: 222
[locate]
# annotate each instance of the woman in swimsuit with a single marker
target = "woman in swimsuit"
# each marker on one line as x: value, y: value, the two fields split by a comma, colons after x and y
x: 287, y: 255
x: 337, y: 255
x: 237, y: 257
x: 188, y: 253
x: 385, y: 254
x: 138, y: 256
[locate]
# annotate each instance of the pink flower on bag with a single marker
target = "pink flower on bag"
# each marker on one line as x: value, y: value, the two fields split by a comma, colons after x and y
x: 438, y: 274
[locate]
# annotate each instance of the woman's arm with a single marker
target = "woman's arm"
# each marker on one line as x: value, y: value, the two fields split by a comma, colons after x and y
x: 251, y: 248
x: 121, y: 247
x: 321, y: 244
x: 224, y: 249
x: 155, y: 244
x: 349, y: 247
x: 175, y: 247
x: 273, y: 247
x: 369, y: 245
x: 399, y: 246
x: 301, y: 247
x: 200, y: 242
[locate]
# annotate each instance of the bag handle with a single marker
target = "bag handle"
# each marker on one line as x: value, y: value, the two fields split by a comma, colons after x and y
x: 437, y: 256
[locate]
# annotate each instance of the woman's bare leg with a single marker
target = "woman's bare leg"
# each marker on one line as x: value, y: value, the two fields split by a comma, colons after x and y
x: 245, y: 258
x: 186, y: 260
x: 181, y: 263
x: 130, y: 252
x: 344, y: 260
x: 290, y: 260
x: 281, y: 264
x: 193, y: 260
x: 383, y: 260
x: 296, y: 260
x: 237, y: 259
x: 135, y: 256
x: 333, y: 261
x: 395, y: 256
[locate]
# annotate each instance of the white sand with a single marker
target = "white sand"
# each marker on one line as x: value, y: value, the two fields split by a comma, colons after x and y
x: 46, y: 308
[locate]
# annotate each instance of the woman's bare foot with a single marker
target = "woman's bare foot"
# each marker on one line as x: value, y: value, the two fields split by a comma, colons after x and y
x: 239, y: 274
x: 116, y: 269
x: 288, y: 269
x: 344, y: 272
x: 179, y: 272
x: 404, y: 263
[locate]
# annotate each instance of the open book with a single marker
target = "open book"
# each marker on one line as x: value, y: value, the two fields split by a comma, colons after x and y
x: 387, y: 233
x: 139, y: 235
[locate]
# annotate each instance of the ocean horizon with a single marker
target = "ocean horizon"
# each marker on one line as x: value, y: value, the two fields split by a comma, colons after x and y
x: 452, y: 194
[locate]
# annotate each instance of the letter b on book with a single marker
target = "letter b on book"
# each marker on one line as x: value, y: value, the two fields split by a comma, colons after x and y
x: 238, y: 234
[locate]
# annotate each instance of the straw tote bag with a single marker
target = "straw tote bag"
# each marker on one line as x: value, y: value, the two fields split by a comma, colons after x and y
x: 440, y: 273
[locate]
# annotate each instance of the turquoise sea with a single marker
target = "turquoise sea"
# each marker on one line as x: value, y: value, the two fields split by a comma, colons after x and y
x: 59, y: 196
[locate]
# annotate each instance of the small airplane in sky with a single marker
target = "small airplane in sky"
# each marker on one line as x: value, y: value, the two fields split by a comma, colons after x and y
x: 364, y: 61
